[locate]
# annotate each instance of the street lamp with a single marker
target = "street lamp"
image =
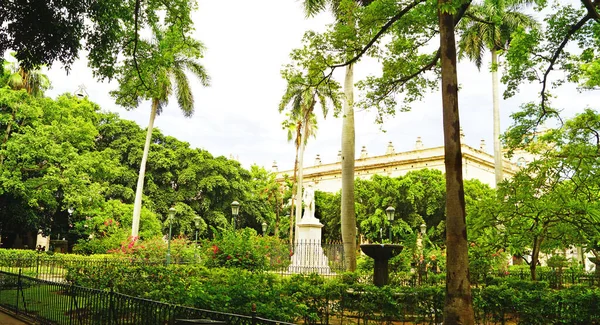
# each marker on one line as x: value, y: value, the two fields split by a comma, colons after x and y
x: 423, y: 228
x: 197, y: 224
x: 171, y: 217
x: 235, y: 210
x: 389, y: 212
x: 264, y: 228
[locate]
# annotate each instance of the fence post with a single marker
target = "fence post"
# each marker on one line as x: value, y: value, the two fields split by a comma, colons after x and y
x: 111, y: 306
x: 37, y: 265
x: 19, y: 288
x: 71, y: 293
x: 253, y: 314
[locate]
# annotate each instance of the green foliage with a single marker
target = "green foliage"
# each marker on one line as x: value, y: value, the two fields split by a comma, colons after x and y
x: 531, y: 303
x: 490, y: 25
x: 109, y: 227
x: 591, y: 73
x: 158, y: 71
x: 327, y: 210
x: 483, y: 261
x: 155, y: 249
x: 66, y: 168
x: 552, y: 202
x: 418, y: 197
x: 345, y: 298
x: 106, y: 29
x: 568, y: 42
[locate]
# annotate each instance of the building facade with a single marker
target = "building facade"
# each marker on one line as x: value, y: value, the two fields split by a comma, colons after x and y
x: 477, y: 164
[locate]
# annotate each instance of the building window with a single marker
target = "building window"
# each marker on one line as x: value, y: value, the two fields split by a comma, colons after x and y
x: 521, y: 162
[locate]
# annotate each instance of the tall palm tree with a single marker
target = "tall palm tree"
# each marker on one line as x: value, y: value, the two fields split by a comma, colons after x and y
x: 293, y: 127
x: 302, y: 100
x: 348, y: 146
x: 299, y: 131
x: 159, y: 69
x: 489, y: 26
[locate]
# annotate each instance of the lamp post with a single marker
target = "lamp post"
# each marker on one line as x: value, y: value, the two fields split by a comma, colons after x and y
x: 423, y: 229
x: 264, y: 228
x: 235, y: 210
x: 197, y: 224
x: 171, y: 217
x: 390, y: 217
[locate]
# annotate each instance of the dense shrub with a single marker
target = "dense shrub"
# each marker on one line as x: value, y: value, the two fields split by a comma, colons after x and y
x: 110, y: 226
x: 317, y: 300
x: 8, y: 256
x: 532, y: 303
x: 246, y: 250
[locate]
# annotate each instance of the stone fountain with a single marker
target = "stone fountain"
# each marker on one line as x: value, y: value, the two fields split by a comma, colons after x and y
x: 381, y: 253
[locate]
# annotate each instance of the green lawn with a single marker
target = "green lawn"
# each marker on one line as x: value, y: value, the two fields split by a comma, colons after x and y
x: 53, y: 303
x: 56, y: 304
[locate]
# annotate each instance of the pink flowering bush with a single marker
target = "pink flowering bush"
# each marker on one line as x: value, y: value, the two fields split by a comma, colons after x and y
x: 245, y: 249
x: 155, y: 249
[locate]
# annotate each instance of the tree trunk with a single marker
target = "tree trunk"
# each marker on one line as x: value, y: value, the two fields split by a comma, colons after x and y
x: 300, y: 177
x: 458, y: 307
x: 277, y: 219
x: 294, y: 183
x: 496, y: 108
x: 137, y: 206
x: 348, y: 222
x: 535, y: 256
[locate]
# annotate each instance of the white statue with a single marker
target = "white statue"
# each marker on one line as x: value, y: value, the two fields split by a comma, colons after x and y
x: 309, y: 203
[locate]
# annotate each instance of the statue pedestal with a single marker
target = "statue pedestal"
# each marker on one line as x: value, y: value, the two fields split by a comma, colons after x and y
x: 308, y: 254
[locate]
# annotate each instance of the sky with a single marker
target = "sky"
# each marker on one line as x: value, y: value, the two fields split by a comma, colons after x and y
x: 237, y: 116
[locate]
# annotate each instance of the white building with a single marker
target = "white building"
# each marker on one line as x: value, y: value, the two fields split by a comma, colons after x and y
x: 477, y: 164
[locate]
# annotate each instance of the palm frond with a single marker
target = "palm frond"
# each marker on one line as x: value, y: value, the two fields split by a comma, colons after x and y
x: 197, y: 69
x: 16, y: 82
x: 313, y: 7
x: 490, y: 25
x: 185, y: 98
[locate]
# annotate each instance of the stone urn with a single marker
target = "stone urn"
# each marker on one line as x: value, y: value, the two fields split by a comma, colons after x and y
x: 381, y: 253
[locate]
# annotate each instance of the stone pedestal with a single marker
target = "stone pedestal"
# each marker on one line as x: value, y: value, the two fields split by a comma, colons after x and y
x: 308, y: 254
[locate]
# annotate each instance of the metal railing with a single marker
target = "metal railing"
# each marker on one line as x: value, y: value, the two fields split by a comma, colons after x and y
x: 556, y: 278
x: 315, y: 255
x: 55, y: 269
x: 48, y: 302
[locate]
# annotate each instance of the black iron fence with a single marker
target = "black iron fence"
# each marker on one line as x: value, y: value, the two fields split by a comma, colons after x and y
x: 556, y: 278
x: 313, y: 256
x: 48, y: 302
x: 55, y: 268
x: 326, y: 258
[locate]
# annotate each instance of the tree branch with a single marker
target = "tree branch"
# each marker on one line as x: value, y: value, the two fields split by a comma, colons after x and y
x: 135, y: 41
x: 591, y: 8
x: 434, y: 60
x: 375, y: 38
x: 572, y: 30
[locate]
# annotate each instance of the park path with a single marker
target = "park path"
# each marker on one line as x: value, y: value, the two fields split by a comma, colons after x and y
x: 8, y: 320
